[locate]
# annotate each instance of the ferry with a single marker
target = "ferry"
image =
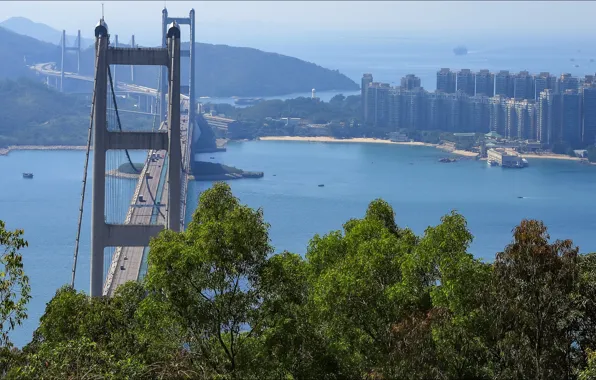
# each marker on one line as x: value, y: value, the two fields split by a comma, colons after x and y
x: 460, y: 50
x: 27, y: 175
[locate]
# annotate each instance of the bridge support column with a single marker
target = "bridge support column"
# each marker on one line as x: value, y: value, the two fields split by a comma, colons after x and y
x: 63, y: 48
x: 99, y: 164
x: 174, y: 150
x: 137, y: 235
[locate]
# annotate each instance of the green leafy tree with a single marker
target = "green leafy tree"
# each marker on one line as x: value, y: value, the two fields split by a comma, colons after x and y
x: 210, y: 276
x: 14, y: 284
x: 125, y: 336
x: 534, y: 284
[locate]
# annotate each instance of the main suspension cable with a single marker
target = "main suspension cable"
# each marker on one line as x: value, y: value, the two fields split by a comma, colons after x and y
x: 82, y: 205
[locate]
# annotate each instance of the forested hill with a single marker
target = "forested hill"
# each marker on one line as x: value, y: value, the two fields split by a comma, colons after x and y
x: 18, y: 51
x: 221, y: 70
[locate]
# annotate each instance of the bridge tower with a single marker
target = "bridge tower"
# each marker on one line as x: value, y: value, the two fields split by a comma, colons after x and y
x: 132, y: 235
x: 190, y: 21
x: 132, y: 67
x: 64, y: 49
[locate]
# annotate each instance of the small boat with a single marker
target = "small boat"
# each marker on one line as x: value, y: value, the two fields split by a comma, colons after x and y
x: 576, y: 65
x: 27, y: 175
x: 521, y: 197
x: 321, y: 185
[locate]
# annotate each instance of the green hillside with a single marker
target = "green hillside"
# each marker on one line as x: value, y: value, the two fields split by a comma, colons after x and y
x: 221, y: 70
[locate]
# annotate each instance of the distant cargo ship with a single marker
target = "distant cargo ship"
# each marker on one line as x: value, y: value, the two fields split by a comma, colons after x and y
x: 247, y: 101
x: 460, y: 50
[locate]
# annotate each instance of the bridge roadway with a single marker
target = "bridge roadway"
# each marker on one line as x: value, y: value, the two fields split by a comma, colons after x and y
x: 152, y: 184
x: 127, y: 262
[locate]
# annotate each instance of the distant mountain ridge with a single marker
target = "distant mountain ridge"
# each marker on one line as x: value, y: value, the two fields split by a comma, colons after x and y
x: 221, y: 70
x: 42, y: 32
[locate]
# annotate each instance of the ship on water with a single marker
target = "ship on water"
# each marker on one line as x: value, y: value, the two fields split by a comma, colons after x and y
x: 460, y: 50
x: 28, y: 175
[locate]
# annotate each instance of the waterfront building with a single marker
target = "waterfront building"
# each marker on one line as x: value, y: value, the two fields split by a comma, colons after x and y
x: 526, y: 120
x: 410, y: 82
x: 497, y: 114
x: 480, y: 114
x: 502, y: 157
x: 588, y: 116
x: 542, y: 82
x: 504, y: 84
x: 510, y: 119
x: 414, y: 110
x: 367, y: 79
x: 548, y: 117
x: 485, y: 83
x: 466, y: 82
x: 377, y: 104
x: 446, y: 81
x: 571, y: 117
x: 523, y: 86
x: 567, y: 82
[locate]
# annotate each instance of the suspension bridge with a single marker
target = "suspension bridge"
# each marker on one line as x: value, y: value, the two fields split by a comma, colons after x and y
x: 124, y: 217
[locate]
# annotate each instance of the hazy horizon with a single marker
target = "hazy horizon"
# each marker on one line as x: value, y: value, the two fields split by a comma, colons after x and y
x: 258, y: 23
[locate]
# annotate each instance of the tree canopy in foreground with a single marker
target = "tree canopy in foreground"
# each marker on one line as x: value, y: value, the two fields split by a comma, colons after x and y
x: 370, y: 301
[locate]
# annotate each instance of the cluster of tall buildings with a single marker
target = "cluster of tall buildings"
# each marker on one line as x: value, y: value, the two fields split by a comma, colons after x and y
x: 538, y: 107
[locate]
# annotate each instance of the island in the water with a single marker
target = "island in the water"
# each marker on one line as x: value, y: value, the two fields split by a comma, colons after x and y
x: 201, y: 171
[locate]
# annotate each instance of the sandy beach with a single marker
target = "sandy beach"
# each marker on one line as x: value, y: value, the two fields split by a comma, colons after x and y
x: 5, y: 151
x: 366, y: 140
x: 413, y: 143
x: 332, y: 139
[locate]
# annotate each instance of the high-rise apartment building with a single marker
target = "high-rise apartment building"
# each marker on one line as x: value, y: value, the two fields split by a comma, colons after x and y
x: 523, y: 86
x: 466, y: 82
x: 549, y: 117
x: 497, y: 114
x: 567, y: 82
x: 542, y: 82
x: 588, y: 116
x: 510, y: 119
x: 410, y: 82
x: 526, y: 120
x: 377, y: 99
x: 367, y: 79
x: 485, y: 83
x: 479, y: 114
x: 504, y: 84
x: 571, y: 125
x: 446, y: 81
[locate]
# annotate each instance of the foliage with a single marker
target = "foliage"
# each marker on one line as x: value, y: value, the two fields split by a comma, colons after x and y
x: 14, y: 284
x: 372, y: 301
x: 210, y: 275
x: 33, y: 114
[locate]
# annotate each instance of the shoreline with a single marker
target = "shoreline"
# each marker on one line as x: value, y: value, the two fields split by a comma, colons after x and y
x: 368, y: 140
x: 414, y: 143
x: 6, y: 151
x: 326, y: 139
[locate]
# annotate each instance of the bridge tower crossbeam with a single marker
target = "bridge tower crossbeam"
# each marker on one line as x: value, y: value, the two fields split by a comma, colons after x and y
x: 190, y: 21
x: 64, y: 49
x: 132, y: 235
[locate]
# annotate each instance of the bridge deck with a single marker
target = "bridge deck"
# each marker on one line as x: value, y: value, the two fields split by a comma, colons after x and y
x: 127, y: 261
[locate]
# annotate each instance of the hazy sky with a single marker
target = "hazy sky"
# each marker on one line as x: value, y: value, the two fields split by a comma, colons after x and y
x: 234, y: 21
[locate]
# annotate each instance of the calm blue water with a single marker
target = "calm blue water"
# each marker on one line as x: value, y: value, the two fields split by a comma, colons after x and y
x: 419, y: 188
